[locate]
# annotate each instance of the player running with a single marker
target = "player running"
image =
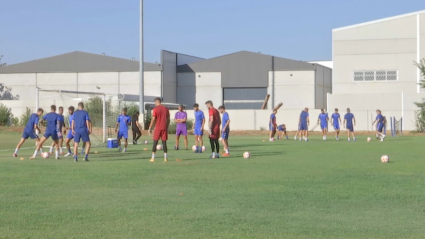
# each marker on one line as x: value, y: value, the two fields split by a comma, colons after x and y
x: 303, y: 124
x: 52, y: 130
x: 121, y: 129
x: 272, y: 125
x: 349, y: 123
x: 225, y: 130
x: 81, y: 129
x: 336, y: 121
x: 323, y: 121
x: 30, y: 131
x: 379, y: 125
x: 214, y: 129
x: 161, y: 119
x: 62, y: 129
x: 282, y: 131
x: 181, y: 128
x: 69, y: 136
x: 135, y: 127
x: 198, y: 128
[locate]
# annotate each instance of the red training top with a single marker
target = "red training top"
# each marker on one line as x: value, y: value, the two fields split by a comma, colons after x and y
x: 216, y: 117
x: 161, y: 114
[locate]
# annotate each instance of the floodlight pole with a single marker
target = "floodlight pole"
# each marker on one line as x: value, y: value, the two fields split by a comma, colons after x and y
x: 141, y: 81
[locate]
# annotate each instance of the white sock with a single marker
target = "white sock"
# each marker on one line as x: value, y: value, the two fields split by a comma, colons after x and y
x: 16, y: 151
x: 35, y: 153
x: 60, y: 150
x: 165, y: 155
x: 57, y: 154
x: 227, y: 151
x: 51, y: 149
x: 354, y: 138
x: 153, y: 155
x: 213, y: 154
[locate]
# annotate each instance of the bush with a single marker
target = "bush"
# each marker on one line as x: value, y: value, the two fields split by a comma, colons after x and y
x: 25, y: 117
x: 420, y: 114
x: 173, y: 126
x: 132, y: 109
x: 5, y: 115
x: 94, y: 106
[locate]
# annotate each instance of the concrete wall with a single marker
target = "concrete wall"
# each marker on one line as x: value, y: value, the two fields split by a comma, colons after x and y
x: 323, y: 86
x: 169, y: 76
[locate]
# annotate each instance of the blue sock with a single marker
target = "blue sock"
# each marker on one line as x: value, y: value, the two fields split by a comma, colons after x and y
x: 86, y: 156
x: 197, y: 148
x: 75, y: 157
x: 69, y: 151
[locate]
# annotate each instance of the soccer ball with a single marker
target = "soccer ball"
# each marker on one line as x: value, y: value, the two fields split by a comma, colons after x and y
x: 368, y: 139
x: 146, y: 142
x: 45, y: 155
x: 194, y: 148
x: 246, y: 155
x: 159, y: 147
x: 385, y: 159
x: 203, y: 148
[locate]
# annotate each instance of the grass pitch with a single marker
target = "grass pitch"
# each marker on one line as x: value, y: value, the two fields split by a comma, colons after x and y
x: 287, y: 189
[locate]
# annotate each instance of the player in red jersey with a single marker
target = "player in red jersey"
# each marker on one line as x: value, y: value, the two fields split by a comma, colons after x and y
x: 161, y: 119
x: 214, y: 128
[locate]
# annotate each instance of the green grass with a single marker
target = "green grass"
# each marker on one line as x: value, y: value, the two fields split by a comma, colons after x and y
x: 287, y: 189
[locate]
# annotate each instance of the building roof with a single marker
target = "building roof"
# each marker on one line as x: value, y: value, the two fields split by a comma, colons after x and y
x: 78, y: 61
x: 380, y: 20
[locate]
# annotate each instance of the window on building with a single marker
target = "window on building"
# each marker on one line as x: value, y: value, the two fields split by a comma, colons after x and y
x: 381, y: 75
x: 244, y: 98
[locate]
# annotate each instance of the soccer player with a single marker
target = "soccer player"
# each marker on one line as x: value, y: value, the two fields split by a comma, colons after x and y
x: 298, y: 132
x: 135, y: 127
x: 349, y: 123
x: 52, y: 130
x: 61, y: 124
x: 121, y: 129
x: 335, y: 121
x: 161, y: 119
x: 272, y: 125
x: 198, y: 128
x: 81, y: 129
x: 282, y: 131
x: 323, y: 121
x: 181, y: 128
x: 214, y: 128
x: 30, y: 130
x: 225, y: 130
x: 69, y: 136
x: 303, y: 123
x: 379, y: 125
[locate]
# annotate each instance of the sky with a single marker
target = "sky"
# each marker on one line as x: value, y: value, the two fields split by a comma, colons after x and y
x: 295, y: 29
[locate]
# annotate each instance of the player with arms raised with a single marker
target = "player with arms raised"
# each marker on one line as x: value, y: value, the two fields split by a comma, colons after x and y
x: 336, y: 121
x: 81, y: 129
x: 349, y: 123
x: 30, y: 130
x: 225, y: 130
x: 161, y: 119
x: 198, y: 128
x: 323, y: 121
x: 214, y: 128
x: 121, y: 129
x: 303, y: 123
x: 180, y: 119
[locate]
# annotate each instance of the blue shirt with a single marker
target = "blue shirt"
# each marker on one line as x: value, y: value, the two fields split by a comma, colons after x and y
x: 273, y: 119
x: 349, y: 118
x: 323, y: 117
x: 71, y: 118
x: 80, y: 118
x: 124, y: 121
x: 33, y: 120
x: 335, y: 117
x: 225, y: 120
x: 380, y: 118
x: 61, y: 120
x: 304, y: 115
x: 199, y: 117
x: 52, y: 121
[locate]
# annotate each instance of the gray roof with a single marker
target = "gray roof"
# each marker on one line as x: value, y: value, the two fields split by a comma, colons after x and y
x: 78, y: 61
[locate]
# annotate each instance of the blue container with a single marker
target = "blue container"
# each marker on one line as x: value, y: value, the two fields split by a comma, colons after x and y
x: 112, y: 143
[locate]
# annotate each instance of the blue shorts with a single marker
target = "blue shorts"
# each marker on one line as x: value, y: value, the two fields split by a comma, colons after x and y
x: 303, y: 126
x: 324, y: 126
x: 272, y: 128
x: 29, y: 134
x: 379, y: 127
x: 69, y: 135
x: 122, y: 134
x: 81, y: 135
x: 53, y: 134
x: 61, y: 135
x: 198, y: 131
x: 350, y: 128
x: 225, y: 134
x: 336, y: 126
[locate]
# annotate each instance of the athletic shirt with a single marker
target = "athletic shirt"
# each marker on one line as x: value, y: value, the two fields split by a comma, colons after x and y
x: 349, y: 118
x: 216, y: 117
x: 335, y: 117
x: 61, y: 120
x: 303, y: 117
x: 52, y: 122
x: 33, y: 120
x: 134, y: 119
x: 161, y: 114
x: 80, y: 118
x: 123, y: 120
x: 71, y: 118
x: 323, y: 118
x: 224, y: 121
x: 273, y: 119
x: 199, y: 117
x: 181, y: 115
x: 381, y: 119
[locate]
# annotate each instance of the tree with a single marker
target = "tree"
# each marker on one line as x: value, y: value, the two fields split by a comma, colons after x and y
x: 2, y: 64
x: 420, y: 114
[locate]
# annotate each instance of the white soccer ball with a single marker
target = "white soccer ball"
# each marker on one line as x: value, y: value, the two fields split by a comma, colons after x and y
x: 146, y: 142
x: 385, y: 159
x: 203, y: 148
x: 159, y: 147
x: 45, y: 155
x: 246, y: 155
x: 368, y: 139
x: 194, y: 148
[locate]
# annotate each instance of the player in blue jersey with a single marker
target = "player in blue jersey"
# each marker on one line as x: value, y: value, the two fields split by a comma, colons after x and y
x: 52, y: 131
x: 121, y: 129
x: 336, y: 121
x: 198, y: 127
x: 379, y: 125
x: 30, y: 130
x: 349, y: 123
x: 225, y: 130
x: 62, y: 129
x: 81, y: 129
x: 323, y: 121
x: 303, y: 123
x: 69, y: 136
x: 272, y: 125
x: 282, y: 131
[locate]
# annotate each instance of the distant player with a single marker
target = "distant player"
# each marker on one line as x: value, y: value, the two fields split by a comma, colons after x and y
x: 225, y: 130
x: 198, y: 127
x: 81, y: 129
x: 161, y: 119
x: 303, y: 123
x: 135, y: 127
x: 62, y: 129
x: 379, y: 125
x: 323, y: 121
x: 336, y: 121
x: 121, y: 129
x: 69, y: 136
x: 282, y: 131
x: 349, y: 123
x: 214, y: 129
x: 52, y: 130
x: 181, y: 128
x: 30, y: 130
x: 272, y: 125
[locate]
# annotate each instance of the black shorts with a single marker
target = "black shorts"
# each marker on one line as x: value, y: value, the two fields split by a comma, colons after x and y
x: 136, y: 130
